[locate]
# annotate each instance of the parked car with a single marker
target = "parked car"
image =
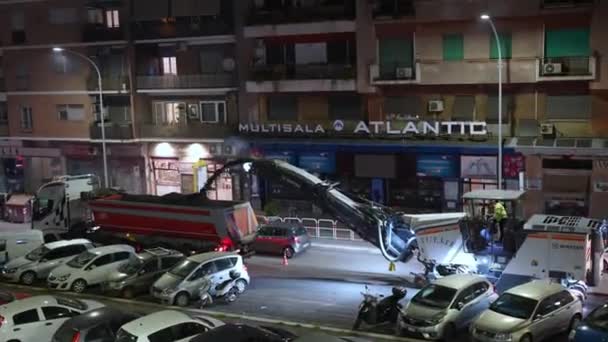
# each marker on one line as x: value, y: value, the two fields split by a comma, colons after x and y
x: 39, y: 263
x: 140, y: 272
x: 320, y: 337
x: 529, y: 312
x: 28, y: 319
x: 593, y: 328
x: 244, y: 333
x: 99, y: 325
x: 166, y: 326
x: 445, y: 306
x: 89, y: 268
x: 287, y: 239
x: 8, y: 297
x: 183, y: 282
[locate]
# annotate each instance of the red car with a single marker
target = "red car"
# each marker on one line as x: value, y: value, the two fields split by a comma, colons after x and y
x: 7, y: 297
x: 287, y: 239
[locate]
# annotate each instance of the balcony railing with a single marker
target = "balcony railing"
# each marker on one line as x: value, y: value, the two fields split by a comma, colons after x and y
x: 565, y: 3
x: 186, y: 130
x: 98, y: 32
x: 186, y: 81
x: 567, y: 66
x: 182, y: 27
x: 303, y: 72
x: 120, y: 83
x: 393, y: 9
x: 113, y: 131
x: 300, y: 15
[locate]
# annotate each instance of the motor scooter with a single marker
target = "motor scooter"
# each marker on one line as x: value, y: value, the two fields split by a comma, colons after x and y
x: 227, y: 290
x: 373, y: 311
x: 433, y: 271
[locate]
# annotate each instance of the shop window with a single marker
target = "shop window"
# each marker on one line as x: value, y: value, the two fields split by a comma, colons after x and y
x: 283, y: 108
x: 568, y: 107
x: 112, y: 19
x: 71, y: 112
x: 464, y: 108
x: 213, y: 112
x: 27, y: 121
x: 169, y: 65
x: 345, y: 107
x: 507, y: 108
x: 169, y: 113
x: 505, y: 45
x: 453, y: 47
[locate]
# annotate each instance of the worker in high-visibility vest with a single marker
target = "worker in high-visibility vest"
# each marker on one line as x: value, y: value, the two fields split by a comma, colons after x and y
x: 500, y: 216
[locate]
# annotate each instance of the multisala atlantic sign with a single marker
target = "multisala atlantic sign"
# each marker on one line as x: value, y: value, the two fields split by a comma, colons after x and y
x: 372, y: 127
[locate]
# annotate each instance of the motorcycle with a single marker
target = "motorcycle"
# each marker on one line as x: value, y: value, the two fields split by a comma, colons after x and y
x: 373, y: 311
x: 433, y: 271
x: 227, y: 290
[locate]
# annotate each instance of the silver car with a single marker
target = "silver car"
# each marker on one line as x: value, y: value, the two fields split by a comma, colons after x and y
x: 447, y: 305
x: 529, y: 312
x: 140, y: 272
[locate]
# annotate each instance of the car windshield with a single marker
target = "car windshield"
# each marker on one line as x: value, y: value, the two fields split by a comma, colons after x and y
x: 124, y: 336
x: 81, y: 259
x: 132, y: 266
x: 37, y: 253
x: 184, y: 268
x: 598, y: 318
x: 514, y: 306
x: 436, y: 296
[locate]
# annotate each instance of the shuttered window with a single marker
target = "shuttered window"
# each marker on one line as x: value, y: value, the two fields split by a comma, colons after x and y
x: 395, y: 53
x: 505, y: 45
x: 283, y: 108
x: 572, y: 42
x: 507, y: 108
x: 453, y: 47
x: 568, y: 107
x: 464, y: 108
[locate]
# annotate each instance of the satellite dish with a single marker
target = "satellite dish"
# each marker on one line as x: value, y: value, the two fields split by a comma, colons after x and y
x: 228, y: 64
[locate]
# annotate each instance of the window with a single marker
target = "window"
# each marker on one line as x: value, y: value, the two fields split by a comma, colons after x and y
x: 17, y: 21
x: 26, y: 118
x: 188, y: 329
x: 57, y: 253
x: 345, y: 107
x: 50, y: 238
x: 505, y: 46
x: 120, y: 256
x: 283, y: 108
x: 29, y: 316
x: 100, y: 333
x: 568, y: 107
x: 151, y: 266
x: 3, y: 113
x: 547, y: 306
x: 56, y: 312
x: 102, y: 260
x: 573, y: 42
x: 168, y: 113
x: 453, y: 47
x: 224, y: 264
x: 169, y: 262
x: 464, y: 108
x: 301, y: 231
x: 507, y: 108
x: 160, y: 336
x: 213, y: 111
x: 208, y: 268
x: 169, y: 66
x: 63, y: 64
x: 60, y: 16
x: 408, y: 106
x: 112, y: 19
x: 465, y: 296
x: 71, y: 112
x: 95, y: 16
x: 565, y: 298
x: 211, y: 61
x: 341, y: 52
x: 393, y: 54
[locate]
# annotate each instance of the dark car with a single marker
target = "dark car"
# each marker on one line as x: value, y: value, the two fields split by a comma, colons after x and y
x: 281, y: 238
x: 7, y: 297
x: 244, y: 333
x: 593, y: 328
x: 99, y: 325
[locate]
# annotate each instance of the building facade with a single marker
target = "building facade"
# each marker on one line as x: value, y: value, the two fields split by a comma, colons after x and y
x: 395, y: 99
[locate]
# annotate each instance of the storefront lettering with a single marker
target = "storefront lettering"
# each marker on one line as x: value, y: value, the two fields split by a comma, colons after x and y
x: 373, y: 127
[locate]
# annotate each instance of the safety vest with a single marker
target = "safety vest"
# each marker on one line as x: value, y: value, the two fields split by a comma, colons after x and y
x: 500, y: 213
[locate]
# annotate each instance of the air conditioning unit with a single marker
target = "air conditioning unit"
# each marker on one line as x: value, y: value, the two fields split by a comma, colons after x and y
x: 435, y: 106
x: 552, y: 68
x: 403, y: 73
x: 547, y: 129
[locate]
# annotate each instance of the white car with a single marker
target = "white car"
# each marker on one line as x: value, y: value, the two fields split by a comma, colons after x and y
x: 37, y: 318
x: 166, y: 326
x: 89, y: 268
x: 38, y: 263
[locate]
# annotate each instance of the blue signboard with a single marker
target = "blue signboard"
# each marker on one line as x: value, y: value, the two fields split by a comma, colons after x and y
x: 319, y: 162
x: 437, y: 166
x: 286, y: 156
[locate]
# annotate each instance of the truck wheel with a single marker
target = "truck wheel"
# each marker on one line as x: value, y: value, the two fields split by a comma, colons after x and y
x: 288, y: 252
x: 182, y: 299
x: 241, y: 285
x: 79, y: 285
x: 28, y: 278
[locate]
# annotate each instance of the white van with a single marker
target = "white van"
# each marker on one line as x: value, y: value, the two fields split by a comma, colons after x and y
x: 15, y: 244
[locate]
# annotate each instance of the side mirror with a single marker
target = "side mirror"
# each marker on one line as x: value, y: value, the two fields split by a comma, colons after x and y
x: 460, y: 305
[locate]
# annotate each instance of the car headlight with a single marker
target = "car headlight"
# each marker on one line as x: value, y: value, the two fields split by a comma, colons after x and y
x: 503, y: 337
x: 11, y: 270
x: 64, y: 277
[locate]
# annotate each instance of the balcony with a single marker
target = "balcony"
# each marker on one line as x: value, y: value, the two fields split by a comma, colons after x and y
x: 566, y: 68
x: 302, y: 78
x: 182, y: 27
x: 394, y: 74
x: 113, y: 131
x: 278, y: 16
x: 565, y: 3
x: 393, y: 9
x: 192, y: 130
x: 477, y: 71
x: 225, y: 80
x: 109, y: 83
x: 98, y: 33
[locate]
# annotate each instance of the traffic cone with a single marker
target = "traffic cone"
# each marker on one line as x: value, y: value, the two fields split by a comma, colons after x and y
x: 391, y: 267
x: 285, y: 263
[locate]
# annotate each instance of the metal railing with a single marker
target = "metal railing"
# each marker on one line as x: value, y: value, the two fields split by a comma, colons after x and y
x: 303, y: 72
x: 216, y: 80
x: 566, y: 66
x: 183, y: 27
x: 317, y: 227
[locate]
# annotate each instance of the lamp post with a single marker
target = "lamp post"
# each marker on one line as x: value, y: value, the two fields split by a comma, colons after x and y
x: 101, y: 114
x: 486, y: 17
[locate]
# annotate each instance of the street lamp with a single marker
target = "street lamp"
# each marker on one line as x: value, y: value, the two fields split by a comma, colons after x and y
x: 486, y: 17
x: 103, y: 126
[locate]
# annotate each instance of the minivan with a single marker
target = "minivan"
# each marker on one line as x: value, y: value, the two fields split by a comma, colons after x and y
x: 287, y: 239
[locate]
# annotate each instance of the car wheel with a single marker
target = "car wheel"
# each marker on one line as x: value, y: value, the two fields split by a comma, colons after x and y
x: 449, y: 332
x: 241, y: 285
x: 526, y: 338
x: 128, y: 292
x: 182, y: 299
x: 288, y: 252
x: 28, y: 278
x: 574, y: 322
x: 79, y: 285
x: 232, y: 295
